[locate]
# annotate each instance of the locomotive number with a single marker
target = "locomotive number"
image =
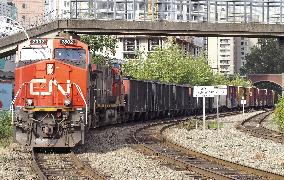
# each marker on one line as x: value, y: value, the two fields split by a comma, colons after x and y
x: 38, y: 41
x: 50, y: 87
x: 67, y: 41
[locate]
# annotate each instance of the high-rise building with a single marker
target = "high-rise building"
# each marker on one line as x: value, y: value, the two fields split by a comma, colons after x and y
x: 7, y: 11
x: 221, y: 54
x: 57, y: 9
x: 30, y: 12
x: 242, y: 48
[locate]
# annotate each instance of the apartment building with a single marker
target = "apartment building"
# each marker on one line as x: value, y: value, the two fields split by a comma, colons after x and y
x: 30, y: 12
x: 7, y: 9
x: 242, y: 48
x: 57, y: 9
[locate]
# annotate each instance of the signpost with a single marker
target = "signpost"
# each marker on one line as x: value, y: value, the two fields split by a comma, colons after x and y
x: 209, y: 91
x: 243, y: 102
x: 203, y: 91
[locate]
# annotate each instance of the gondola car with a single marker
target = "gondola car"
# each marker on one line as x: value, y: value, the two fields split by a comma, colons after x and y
x: 60, y: 95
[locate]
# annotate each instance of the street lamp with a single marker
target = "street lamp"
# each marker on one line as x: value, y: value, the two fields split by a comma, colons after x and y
x: 9, y: 26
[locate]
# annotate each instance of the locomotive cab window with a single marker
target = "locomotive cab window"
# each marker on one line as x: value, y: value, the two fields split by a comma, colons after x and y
x: 71, y: 56
x: 37, y: 54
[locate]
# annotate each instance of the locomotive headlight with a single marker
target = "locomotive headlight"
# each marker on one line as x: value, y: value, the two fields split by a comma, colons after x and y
x: 67, y: 102
x: 29, y: 102
x: 49, y: 69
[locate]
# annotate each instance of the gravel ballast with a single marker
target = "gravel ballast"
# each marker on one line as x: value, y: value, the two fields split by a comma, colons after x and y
x: 232, y: 145
x: 109, y: 152
x: 15, y: 163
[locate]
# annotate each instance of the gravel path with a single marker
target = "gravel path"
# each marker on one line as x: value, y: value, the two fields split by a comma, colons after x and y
x: 233, y: 145
x: 15, y: 163
x: 108, y: 151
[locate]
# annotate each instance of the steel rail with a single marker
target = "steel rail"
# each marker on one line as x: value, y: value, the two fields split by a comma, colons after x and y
x: 253, y: 126
x: 157, y: 146
x: 178, y: 155
x: 250, y: 170
x: 74, y: 165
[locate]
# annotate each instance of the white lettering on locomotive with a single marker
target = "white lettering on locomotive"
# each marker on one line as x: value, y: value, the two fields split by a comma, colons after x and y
x: 50, y: 84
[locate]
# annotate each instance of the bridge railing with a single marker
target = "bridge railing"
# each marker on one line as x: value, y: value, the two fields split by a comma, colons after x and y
x: 215, y: 11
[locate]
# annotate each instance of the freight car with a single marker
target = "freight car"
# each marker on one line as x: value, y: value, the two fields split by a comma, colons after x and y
x: 60, y: 95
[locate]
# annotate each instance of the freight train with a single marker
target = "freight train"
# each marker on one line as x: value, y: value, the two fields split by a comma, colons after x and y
x: 60, y: 95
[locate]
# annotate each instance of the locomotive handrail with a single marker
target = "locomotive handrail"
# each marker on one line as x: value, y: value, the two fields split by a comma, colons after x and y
x: 12, y: 103
x: 82, y: 96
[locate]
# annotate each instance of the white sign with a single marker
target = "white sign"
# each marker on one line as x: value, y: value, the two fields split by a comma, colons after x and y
x: 203, y: 91
x: 221, y: 90
x: 50, y: 84
x: 243, y: 101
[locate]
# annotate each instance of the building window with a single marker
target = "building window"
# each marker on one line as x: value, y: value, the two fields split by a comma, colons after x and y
x: 153, y: 43
x: 23, y: 17
x: 130, y: 44
x: 242, y: 43
x: 242, y: 53
x: 224, y: 40
x: 24, y: 5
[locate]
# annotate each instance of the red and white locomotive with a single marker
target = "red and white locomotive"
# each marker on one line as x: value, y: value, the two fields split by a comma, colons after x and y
x: 59, y: 95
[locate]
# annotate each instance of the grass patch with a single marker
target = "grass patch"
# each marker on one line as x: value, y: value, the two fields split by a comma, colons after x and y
x: 193, y: 123
x: 190, y: 124
x: 6, y: 129
x: 214, y: 124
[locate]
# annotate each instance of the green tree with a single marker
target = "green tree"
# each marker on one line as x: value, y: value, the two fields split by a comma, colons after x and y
x: 171, y: 65
x: 237, y: 80
x: 279, y: 114
x: 100, y: 43
x: 265, y: 57
x: 220, y: 79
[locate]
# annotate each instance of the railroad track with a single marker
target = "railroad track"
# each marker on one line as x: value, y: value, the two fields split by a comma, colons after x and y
x: 64, y: 165
x: 253, y: 126
x: 150, y: 139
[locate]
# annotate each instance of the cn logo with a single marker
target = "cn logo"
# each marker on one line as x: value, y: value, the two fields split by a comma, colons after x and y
x: 50, y: 86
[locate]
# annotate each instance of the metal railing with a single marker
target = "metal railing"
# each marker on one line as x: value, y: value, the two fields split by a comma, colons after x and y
x: 215, y: 11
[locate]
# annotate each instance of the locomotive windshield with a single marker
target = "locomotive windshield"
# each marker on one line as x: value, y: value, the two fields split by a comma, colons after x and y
x: 72, y: 56
x: 32, y: 54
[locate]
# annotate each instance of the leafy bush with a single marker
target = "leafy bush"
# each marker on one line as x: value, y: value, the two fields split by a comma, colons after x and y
x: 6, y: 131
x: 279, y: 114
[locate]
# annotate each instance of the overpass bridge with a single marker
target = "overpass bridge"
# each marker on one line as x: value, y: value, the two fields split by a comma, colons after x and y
x: 118, y: 27
x: 249, y: 18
